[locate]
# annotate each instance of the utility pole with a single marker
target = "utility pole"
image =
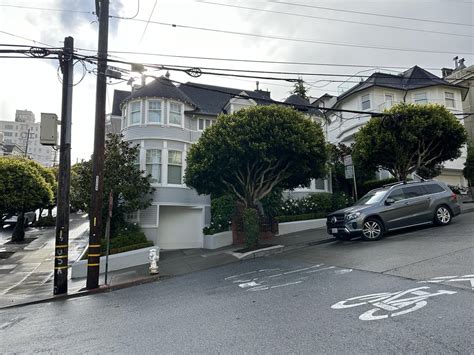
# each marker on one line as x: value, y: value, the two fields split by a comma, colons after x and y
x: 64, y: 175
x: 27, y: 141
x: 95, y: 215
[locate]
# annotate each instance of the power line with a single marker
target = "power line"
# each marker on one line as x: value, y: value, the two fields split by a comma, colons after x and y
x: 148, y: 22
x: 370, y: 13
x: 257, y: 60
x: 333, y: 19
x: 45, y: 9
x: 25, y: 38
x: 301, y: 40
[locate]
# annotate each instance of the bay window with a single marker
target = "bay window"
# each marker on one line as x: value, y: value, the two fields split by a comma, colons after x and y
x: 175, y: 115
x: 421, y: 98
x: 175, y: 167
x: 153, y: 164
x: 135, y: 112
x: 154, y: 111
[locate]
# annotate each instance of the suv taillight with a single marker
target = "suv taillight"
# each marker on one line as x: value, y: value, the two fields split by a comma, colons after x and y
x: 454, y: 197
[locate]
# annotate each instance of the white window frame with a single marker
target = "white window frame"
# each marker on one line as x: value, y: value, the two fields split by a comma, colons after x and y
x: 133, y: 216
x: 160, y: 164
x: 147, y: 116
x: 168, y: 164
x: 124, y: 117
x: 362, y: 102
x: 446, y: 99
x: 392, y: 101
x: 204, y: 123
x: 181, y: 105
x: 419, y: 101
x: 130, y: 113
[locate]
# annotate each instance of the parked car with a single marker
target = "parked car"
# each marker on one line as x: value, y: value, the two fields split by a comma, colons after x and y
x: 395, y: 206
x: 30, y: 218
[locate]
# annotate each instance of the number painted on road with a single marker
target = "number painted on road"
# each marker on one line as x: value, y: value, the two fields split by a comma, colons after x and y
x: 390, y: 304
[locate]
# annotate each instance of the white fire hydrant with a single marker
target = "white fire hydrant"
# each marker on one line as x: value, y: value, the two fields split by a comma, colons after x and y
x: 154, y: 257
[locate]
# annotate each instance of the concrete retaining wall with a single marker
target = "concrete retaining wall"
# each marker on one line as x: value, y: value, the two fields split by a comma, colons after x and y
x: 217, y: 240
x: 116, y: 262
x: 298, y: 226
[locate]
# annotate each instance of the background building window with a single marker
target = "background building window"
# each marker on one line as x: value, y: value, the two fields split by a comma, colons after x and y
x: 319, y: 184
x: 388, y: 100
x: 175, y: 162
x: 175, y: 114
x: 421, y: 98
x: 135, y: 112
x: 449, y: 99
x: 203, y: 124
x: 153, y: 164
x: 154, y: 111
x: 9, y: 126
x: 8, y: 134
x: 365, y: 102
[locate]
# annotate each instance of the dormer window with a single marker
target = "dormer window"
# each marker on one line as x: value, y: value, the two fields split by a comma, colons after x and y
x: 175, y: 115
x: 135, y: 112
x: 365, y: 102
x: 154, y: 111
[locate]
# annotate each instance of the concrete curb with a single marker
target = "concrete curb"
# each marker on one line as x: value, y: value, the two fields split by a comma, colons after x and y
x: 82, y: 292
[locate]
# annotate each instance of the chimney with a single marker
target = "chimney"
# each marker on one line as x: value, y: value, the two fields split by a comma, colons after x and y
x: 446, y: 72
x: 455, y: 62
x: 461, y: 64
x: 257, y: 84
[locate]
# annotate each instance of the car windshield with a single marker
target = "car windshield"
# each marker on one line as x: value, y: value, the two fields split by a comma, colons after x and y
x: 372, y: 197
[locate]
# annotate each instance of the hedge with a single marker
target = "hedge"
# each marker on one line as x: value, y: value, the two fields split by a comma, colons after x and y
x: 300, y: 217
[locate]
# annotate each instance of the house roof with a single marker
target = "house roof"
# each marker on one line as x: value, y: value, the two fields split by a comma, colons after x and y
x: 302, y: 104
x: 8, y: 148
x: 413, y: 78
x: 211, y: 100
x: 160, y: 87
x: 119, y: 96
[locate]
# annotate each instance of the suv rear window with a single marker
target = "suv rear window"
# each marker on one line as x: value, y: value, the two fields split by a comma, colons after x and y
x: 433, y: 188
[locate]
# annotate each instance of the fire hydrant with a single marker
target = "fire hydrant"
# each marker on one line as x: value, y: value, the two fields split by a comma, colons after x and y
x: 154, y: 257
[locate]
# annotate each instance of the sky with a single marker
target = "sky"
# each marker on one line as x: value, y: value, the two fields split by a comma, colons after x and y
x: 313, y: 31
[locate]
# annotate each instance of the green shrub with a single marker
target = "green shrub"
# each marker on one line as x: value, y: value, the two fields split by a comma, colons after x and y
x: 251, y: 227
x: 273, y: 202
x: 46, y: 221
x: 323, y: 202
x: 129, y: 238
x: 222, y: 210
x: 340, y: 200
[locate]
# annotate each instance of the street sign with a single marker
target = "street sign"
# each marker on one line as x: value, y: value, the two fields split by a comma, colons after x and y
x: 349, y: 171
x: 347, y: 160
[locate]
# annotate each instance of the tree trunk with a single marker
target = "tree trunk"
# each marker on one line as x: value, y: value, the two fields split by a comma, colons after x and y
x: 50, y: 211
x: 18, y: 234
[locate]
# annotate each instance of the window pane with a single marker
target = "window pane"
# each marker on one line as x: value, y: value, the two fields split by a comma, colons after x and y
x: 135, y: 117
x: 320, y: 184
x: 154, y: 116
x: 421, y: 98
x: 153, y: 156
x: 174, y: 157
x: 201, y: 124
x: 153, y: 164
x: 175, y: 118
x: 208, y: 123
x: 397, y: 195
x: 365, y: 102
x: 433, y: 188
x: 135, y: 106
x: 412, y: 191
x: 154, y: 105
x: 174, y: 174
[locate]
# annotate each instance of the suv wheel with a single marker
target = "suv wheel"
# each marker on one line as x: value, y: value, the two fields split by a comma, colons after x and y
x: 442, y: 216
x: 372, y: 229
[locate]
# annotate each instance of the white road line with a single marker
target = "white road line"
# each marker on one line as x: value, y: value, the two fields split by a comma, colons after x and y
x: 287, y: 284
x: 19, y: 282
x: 245, y: 273
x: 343, y: 271
x: 326, y: 268
x: 249, y: 284
x: 442, y: 277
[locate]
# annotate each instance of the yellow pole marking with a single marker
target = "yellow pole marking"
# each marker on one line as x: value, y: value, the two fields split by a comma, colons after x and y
x: 95, y: 220
x: 94, y: 254
x: 62, y: 246
x: 94, y: 246
x: 60, y: 267
x: 61, y: 257
x: 92, y: 264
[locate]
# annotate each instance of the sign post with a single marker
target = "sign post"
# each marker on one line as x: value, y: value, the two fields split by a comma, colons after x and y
x: 350, y: 172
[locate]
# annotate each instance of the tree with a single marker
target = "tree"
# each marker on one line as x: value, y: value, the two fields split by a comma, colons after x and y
x: 300, y: 89
x: 22, y: 188
x: 408, y: 137
x: 50, y: 176
x: 468, y: 170
x: 253, y: 151
x: 130, y: 188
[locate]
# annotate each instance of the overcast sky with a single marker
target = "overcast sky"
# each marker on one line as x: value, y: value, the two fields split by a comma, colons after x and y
x: 33, y: 84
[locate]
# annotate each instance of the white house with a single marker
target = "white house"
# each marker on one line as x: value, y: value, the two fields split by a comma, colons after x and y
x: 380, y: 91
x: 165, y: 120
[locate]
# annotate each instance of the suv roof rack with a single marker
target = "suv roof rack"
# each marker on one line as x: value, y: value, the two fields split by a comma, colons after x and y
x: 407, y: 182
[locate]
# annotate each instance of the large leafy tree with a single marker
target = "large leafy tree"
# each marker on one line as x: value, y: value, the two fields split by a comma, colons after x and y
x: 23, y: 188
x: 130, y: 188
x: 251, y: 152
x: 408, y: 137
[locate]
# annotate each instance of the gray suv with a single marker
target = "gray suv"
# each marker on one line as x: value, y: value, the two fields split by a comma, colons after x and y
x: 395, y: 206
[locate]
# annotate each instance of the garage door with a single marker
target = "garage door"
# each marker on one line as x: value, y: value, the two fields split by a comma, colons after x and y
x: 180, y: 227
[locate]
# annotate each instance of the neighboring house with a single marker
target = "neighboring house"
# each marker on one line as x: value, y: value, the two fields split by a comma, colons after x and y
x: 16, y: 133
x: 165, y: 120
x: 13, y: 150
x: 1, y: 144
x: 465, y: 77
x: 381, y: 91
x: 113, y: 121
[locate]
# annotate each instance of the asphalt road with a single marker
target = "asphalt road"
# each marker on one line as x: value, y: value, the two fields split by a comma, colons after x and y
x: 298, y: 302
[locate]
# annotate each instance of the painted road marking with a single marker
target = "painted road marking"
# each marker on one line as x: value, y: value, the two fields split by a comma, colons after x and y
x: 262, y: 281
x: 391, y: 304
x: 455, y: 278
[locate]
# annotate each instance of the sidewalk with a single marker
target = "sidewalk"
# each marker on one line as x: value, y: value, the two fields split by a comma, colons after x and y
x: 26, y: 276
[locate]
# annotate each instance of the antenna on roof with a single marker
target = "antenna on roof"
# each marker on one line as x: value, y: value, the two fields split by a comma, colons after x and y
x: 167, y: 75
x: 257, y: 84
